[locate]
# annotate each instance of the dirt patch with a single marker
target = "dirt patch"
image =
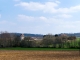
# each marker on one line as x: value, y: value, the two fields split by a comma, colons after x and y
x: 39, y: 55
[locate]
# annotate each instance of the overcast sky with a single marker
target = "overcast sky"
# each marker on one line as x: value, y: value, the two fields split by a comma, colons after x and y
x: 40, y: 16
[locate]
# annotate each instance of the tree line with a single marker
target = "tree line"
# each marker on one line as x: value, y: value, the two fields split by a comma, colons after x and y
x: 49, y: 40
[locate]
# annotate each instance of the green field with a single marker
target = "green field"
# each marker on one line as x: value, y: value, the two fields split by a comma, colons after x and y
x: 40, y: 49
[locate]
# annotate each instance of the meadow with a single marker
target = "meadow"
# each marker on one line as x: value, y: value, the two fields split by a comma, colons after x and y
x: 41, y: 49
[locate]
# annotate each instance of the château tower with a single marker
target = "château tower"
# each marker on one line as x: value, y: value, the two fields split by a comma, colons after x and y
x: 22, y: 36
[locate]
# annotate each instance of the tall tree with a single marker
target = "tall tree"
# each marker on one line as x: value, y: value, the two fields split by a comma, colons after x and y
x: 48, y: 40
x: 28, y: 42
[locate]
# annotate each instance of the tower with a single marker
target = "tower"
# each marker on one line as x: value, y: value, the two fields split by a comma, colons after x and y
x: 22, y: 36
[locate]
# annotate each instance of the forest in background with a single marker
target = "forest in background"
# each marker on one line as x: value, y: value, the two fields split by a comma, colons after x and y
x: 48, y: 40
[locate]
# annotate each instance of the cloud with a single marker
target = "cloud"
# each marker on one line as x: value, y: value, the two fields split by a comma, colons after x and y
x: 64, y: 16
x: 50, y: 24
x: 69, y: 27
x: 25, y: 18
x: 35, y: 6
x: 4, y: 22
x: 31, y: 6
x: 69, y: 10
x: 16, y: 0
x: 54, y: 19
x: 66, y: 27
x: 57, y: 1
x: 48, y: 7
x: 49, y: 20
x: 0, y: 15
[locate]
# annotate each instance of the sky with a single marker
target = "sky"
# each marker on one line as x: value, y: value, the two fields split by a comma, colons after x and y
x: 40, y: 16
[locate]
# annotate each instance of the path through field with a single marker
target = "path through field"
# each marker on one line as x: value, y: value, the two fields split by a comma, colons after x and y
x: 39, y: 55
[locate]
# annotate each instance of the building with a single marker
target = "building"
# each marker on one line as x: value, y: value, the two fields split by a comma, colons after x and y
x: 22, y: 36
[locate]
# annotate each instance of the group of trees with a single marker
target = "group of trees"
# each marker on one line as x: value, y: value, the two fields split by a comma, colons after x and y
x: 13, y: 40
x: 55, y: 41
x: 8, y: 40
x: 62, y: 41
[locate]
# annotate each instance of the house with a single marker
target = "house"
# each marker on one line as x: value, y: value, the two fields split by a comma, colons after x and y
x: 36, y: 38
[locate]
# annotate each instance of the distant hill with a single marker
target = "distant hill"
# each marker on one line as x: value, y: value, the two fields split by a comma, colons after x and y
x: 29, y: 35
x: 41, y: 36
x: 72, y: 34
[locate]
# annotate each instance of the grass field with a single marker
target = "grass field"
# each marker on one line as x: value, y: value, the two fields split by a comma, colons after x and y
x: 41, y: 49
x: 38, y: 55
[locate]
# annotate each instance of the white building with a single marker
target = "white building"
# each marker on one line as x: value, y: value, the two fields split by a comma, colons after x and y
x: 22, y: 36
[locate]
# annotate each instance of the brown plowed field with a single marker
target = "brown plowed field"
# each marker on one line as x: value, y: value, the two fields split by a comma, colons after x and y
x: 39, y: 55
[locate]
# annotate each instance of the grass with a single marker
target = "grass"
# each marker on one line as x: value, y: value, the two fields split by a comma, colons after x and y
x: 78, y: 38
x: 41, y: 49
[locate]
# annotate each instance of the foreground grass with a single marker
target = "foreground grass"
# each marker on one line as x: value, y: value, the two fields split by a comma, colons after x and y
x: 41, y: 49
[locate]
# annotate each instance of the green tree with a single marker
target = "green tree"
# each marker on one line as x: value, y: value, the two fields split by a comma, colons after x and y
x: 48, y: 40
x: 5, y: 39
x: 28, y: 42
x: 17, y: 41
